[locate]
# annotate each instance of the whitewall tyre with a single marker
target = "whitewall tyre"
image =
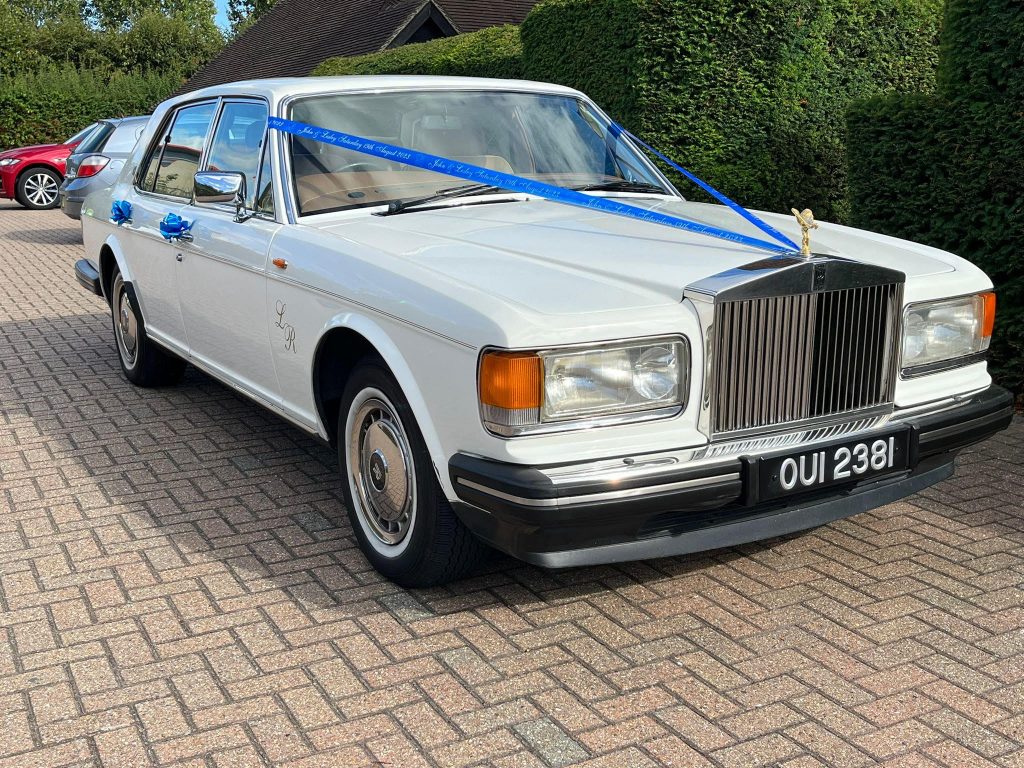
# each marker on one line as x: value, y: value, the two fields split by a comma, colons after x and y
x: 401, y: 518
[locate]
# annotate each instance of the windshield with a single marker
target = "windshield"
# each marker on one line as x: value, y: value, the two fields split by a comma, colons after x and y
x: 553, y: 138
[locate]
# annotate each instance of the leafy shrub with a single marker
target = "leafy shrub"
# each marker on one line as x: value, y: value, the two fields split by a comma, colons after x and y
x: 57, y: 77
x: 948, y: 169
x: 493, y: 52
x: 749, y: 94
x: 51, y: 105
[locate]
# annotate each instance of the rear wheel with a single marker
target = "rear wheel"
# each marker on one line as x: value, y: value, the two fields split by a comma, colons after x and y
x: 402, y: 520
x: 143, y: 362
x: 38, y: 188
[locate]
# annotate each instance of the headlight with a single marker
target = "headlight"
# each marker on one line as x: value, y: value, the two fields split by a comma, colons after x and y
x: 944, y: 334
x: 9, y: 161
x: 567, y: 388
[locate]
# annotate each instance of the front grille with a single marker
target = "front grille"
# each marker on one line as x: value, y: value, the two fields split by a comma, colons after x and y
x: 783, y: 359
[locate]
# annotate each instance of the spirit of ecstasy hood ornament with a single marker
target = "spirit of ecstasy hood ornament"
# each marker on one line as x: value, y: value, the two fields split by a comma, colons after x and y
x: 807, y: 223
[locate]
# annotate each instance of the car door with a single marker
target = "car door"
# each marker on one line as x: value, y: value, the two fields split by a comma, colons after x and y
x: 164, y: 185
x: 223, y: 275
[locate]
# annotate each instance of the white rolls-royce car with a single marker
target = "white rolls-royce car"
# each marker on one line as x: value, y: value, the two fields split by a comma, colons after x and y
x: 496, y: 368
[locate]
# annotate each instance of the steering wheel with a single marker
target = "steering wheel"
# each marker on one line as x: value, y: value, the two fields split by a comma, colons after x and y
x: 363, y: 165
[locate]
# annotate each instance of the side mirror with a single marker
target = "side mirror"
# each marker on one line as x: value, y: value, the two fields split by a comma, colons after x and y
x: 218, y: 187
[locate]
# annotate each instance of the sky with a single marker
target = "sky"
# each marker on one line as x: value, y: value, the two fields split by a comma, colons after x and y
x: 222, y: 13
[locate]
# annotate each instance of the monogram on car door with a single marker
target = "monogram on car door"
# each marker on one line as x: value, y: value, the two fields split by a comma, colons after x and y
x: 223, y: 276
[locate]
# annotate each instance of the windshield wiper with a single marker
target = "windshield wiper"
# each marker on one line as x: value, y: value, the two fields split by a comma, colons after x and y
x: 621, y: 185
x: 398, y: 206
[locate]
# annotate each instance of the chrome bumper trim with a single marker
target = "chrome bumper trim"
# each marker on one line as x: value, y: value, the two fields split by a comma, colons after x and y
x: 651, y: 465
x: 589, y: 498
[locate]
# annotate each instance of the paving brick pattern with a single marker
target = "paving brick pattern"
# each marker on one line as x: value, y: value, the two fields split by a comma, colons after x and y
x: 179, y: 585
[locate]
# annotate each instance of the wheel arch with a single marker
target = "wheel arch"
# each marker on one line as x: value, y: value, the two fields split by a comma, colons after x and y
x: 38, y: 164
x: 110, y: 257
x: 347, y: 340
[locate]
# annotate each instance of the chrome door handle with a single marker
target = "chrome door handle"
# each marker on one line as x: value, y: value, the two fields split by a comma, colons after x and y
x: 179, y: 257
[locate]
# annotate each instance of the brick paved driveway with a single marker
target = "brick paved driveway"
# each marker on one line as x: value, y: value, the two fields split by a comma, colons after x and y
x: 180, y: 585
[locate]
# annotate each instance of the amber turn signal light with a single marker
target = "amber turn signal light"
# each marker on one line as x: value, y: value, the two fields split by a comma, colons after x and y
x: 511, y: 380
x: 988, y: 316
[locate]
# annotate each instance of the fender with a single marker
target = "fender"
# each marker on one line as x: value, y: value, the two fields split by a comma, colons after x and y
x: 369, y: 329
x: 122, y: 263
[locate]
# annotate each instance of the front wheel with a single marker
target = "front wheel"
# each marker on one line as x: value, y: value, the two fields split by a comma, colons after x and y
x: 402, y: 520
x: 38, y: 189
x: 143, y: 362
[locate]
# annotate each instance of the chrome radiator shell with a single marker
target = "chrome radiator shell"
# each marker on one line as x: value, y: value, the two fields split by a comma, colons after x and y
x: 793, y: 342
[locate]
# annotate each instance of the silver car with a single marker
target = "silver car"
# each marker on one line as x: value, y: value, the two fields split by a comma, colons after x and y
x: 97, y: 161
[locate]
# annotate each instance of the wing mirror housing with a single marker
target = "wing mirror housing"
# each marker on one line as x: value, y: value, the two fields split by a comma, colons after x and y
x: 222, y: 187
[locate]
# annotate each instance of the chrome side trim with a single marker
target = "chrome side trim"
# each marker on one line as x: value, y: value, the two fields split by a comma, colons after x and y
x: 586, y: 498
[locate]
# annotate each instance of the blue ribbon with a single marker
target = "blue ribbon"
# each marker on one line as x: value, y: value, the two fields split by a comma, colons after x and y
x: 173, y: 226
x: 121, y: 212
x: 510, y: 182
x: 758, y: 222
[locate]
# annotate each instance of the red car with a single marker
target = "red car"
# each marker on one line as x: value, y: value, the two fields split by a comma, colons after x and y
x: 32, y: 175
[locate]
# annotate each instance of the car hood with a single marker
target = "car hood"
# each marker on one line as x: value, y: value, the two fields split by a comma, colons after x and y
x: 23, y: 151
x: 561, y: 259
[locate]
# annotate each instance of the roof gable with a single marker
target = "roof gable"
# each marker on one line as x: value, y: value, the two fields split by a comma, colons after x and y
x: 296, y: 35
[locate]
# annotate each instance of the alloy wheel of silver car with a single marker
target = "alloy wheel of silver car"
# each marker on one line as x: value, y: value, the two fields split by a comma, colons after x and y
x: 126, y: 324
x: 41, y: 189
x: 382, y: 473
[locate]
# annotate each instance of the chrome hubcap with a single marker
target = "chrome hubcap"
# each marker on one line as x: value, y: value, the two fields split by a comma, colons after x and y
x: 383, y: 475
x: 127, y: 326
x: 41, y: 189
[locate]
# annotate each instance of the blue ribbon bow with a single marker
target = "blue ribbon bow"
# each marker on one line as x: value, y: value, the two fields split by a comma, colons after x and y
x: 512, y: 183
x: 121, y: 212
x: 172, y: 226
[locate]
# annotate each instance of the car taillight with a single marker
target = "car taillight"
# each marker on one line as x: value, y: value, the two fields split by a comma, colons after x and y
x: 92, y: 165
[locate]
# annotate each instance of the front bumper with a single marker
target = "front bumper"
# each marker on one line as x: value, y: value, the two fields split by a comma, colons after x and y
x: 642, y: 507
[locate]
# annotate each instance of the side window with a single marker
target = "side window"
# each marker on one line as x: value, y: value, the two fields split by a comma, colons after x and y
x: 265, y: 187
x: 172, y: 164
x: 237, y: 142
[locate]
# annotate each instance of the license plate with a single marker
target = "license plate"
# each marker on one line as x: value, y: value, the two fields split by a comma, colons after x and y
x: 845, y: 462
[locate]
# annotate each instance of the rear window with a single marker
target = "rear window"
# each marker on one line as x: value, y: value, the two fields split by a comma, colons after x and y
x: 94, y: 141
x: 82, y: 133
x: 124, y: 137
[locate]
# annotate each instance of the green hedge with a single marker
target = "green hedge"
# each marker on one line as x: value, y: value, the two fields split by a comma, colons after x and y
x: 948, y: 169
x: 494, y: 52
x: 749, y: 94
x: 54, y: 104
x: 982, y: 53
